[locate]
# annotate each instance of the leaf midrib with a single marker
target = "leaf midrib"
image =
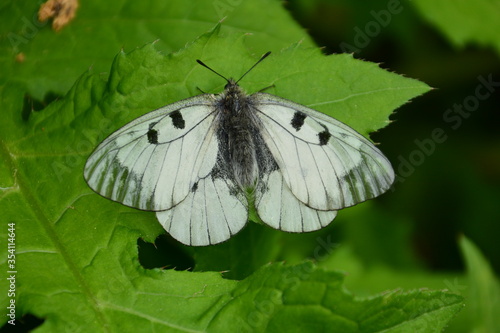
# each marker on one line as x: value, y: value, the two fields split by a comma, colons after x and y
x: 37, y: 210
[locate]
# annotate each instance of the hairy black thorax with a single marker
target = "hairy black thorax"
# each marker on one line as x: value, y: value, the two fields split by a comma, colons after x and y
x: 237, y: 130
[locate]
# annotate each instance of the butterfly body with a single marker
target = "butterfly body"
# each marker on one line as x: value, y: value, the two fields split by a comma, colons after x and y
x: 193, y: 161
x: 237, y: 132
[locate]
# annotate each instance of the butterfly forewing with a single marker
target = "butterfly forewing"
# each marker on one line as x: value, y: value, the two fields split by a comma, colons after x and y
x: 153, y: 162
x: 325, y: 164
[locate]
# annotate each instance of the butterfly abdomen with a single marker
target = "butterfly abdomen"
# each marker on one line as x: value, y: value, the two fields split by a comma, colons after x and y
x: 242, y: 154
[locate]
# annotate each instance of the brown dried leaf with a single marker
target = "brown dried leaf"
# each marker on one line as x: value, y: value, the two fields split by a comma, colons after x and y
x: 63, y: 11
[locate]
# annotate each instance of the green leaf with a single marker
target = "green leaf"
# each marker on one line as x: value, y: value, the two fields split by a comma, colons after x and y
x: 53, y: 61
x: 302, y: 298
x: 464, y: 22
x: 77, y: 262
x: 479, y: 286
x: 484, y: 292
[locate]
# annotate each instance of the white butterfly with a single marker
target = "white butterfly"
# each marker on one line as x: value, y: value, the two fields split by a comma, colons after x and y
x: 196, y: 162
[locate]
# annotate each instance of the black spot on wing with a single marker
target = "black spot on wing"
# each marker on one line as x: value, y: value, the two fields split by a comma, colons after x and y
x: 298, y: 120
x: 324, y: 136
x: 177, y: 120
x: 195, y: 187
x: 153, y: 136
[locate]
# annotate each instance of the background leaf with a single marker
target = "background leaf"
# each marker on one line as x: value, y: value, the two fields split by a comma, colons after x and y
x: 53, y: 61
x: 457, y: 20
x: 301, y: 298
x: 484, y: 290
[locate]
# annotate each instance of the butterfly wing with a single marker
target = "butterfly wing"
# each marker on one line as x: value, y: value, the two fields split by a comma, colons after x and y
x: 324, y: 164
x: 214, y: 210
x: 168, y: 161
x: 153, y: 162
x: 280, y: 209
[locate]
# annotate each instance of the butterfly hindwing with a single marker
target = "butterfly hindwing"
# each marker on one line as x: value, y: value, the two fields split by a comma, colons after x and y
x: 214, y: 210
x: 325, y: 164
x: 153, y: 162
x: 280, y: 209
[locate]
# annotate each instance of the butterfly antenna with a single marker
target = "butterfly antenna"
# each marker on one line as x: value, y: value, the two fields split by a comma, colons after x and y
x: 203, y: 64
x: 261, y: 58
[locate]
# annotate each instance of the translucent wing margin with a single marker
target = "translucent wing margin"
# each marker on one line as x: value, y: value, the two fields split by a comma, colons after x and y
x: 153, y: 162
x: 325, y: 164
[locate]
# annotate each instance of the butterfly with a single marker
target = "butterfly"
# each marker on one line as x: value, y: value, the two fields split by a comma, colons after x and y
x: 198, y: 162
